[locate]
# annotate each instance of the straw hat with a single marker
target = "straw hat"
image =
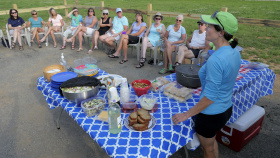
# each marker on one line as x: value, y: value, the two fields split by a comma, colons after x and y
x: 158, y: 14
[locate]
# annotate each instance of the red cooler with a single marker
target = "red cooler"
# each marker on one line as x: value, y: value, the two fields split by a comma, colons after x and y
x: 238, y: 134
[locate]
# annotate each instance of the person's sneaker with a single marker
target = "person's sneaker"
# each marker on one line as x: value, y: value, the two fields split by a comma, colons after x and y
x: 163, y: 71
x: 95, y: 47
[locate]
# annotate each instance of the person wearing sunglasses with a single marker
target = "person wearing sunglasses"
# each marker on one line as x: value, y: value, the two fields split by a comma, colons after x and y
x: 175, y: 34
x: 132, y: 36
x: 194, y: 44
x: 217, y: 78
x: 16, y: 24
x: 37, y: 25
x: 152, y: 37
x: 120, y: 24
x: 76, y: 20
x: 89, y: 26
x: 57, y: 22
x: 105, y: 23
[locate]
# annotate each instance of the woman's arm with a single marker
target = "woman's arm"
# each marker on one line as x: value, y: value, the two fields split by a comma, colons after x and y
x: 23, y: 25
x: 129, y: 31
x: 62, y: 23
x: 10, y: 27
x: 189, y: 41
x: 148, y: 31
x: 69, y: 14
x: 49, y: 24
x: 142, y: 29
x: 94, y: 21
x: 43, y: 24
x: 181, y: 41
x: 200, y: 106
x: 28, y: 24
x: 163, y: 31
x: 166, y: 35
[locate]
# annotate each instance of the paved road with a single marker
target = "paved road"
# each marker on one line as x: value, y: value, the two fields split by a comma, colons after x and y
x: 28, y: 126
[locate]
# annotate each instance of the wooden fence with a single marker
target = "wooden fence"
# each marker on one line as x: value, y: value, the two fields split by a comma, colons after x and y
x: 149, y: 12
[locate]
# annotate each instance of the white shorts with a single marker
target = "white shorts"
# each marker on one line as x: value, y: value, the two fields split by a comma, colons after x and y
x: 69, y: 31
x: 90, y: 31
x: 116, y: 38
x: 12, y: 32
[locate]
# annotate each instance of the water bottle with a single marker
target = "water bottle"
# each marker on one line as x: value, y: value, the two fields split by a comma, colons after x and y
x: 63, y: 61
x: 124, y: 92
x: 114, y: 118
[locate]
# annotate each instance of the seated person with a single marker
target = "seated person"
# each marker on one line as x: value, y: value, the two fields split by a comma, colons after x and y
x: 105, y: 23
x: 194, y: 44
x: 16, y: 24
x: 120, y: 24
x: 37, y: 25
x: 132, y: 36
x: 175, y: 34
x: 151, y: 37
x: 57, y: 21
x: 89, y: 26
x: 76, y: 20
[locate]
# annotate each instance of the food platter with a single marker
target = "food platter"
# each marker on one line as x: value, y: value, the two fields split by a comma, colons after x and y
x: 103, y: 79
x: 152, y: 124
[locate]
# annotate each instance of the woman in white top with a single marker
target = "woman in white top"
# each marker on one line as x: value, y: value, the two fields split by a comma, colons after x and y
x: 194, y: 44
x: 175, y: 34
x: 57, y: 22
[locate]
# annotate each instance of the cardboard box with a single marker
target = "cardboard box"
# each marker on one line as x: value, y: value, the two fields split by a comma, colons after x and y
x: 238, y: 134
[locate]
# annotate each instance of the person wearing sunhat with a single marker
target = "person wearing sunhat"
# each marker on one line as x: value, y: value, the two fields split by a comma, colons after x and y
x: 120, y: 25
x: 151, y: 37
x: 194, y: 44
x: 217, y: 78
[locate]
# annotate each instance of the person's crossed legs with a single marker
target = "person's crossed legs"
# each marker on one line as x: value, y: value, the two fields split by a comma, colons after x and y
x: 184, y: 52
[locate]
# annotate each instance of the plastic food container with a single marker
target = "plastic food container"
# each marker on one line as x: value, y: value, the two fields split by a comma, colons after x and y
x: 141, y: 91
x: 131, y: 105
x: 148, y: 101
x: 96, y: 109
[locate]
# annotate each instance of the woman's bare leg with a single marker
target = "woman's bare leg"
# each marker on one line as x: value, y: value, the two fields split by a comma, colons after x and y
x: 53, y: 37
x: 79, y: 29
x: 96, y: 36
x: 15, y: 34
x: 34, y: 34
x: 124, y: 43
x: 121, y: 44
x: 81, y: 33
x: 49, y: 31
x: 19, y: 37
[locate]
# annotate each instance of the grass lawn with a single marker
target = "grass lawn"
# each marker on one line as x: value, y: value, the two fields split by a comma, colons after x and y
x: 259, y: 43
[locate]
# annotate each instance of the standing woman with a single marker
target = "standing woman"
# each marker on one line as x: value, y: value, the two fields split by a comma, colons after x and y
x: 132, y: 36
x: 174, y: 35
x: 104, y: 25
x: 16, y: 24
x: 57, y: 23
x: 37, y: 26
x: 217, y: 78
x: 89, y: 26
x: 151, y: 37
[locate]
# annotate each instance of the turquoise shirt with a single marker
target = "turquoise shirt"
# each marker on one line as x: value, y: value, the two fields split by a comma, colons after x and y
x: 154, y: 36
x: 76, y: 20
x: 218, y: 77
x: 37, y: 23
x: 175, y: 36
x: 118, y: 24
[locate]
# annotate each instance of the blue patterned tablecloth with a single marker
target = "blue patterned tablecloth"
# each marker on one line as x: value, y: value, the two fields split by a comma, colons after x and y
x: 165, y: 138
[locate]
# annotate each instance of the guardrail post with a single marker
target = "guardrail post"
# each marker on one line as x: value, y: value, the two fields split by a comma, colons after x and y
x: 101, y: 7
x: 66, y: 9
x: 15, y: 6
x: 224, y: 9
x: 149, y: 17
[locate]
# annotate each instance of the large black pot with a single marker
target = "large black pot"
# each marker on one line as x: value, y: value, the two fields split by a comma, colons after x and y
x: 187, y: 75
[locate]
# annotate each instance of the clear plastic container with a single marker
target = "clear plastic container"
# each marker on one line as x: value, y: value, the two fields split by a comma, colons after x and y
x: 89, y: 60
x: 147, y: 101
x: 131, y: 105
x: 95, y: 109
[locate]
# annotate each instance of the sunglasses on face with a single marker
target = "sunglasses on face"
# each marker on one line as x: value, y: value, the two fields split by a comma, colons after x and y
x: 119, y: 12
x: 105, y: 13
x: 34, y: 14
x: 200, y: 24
x: 158, y: 18
x: 90, y: 11
x: 179, y: 20
x: 215, y: 16
x: 13, y: 12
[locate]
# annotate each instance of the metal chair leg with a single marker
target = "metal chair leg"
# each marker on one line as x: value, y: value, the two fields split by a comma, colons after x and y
x: 57, y: 121
x: 186, y: 151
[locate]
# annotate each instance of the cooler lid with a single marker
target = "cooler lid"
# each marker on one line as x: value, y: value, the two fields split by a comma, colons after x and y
x: 246, y: 120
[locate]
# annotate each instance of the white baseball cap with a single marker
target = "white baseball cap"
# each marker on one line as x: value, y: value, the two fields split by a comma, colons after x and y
x: 105, y: 11
x: 118, y: 10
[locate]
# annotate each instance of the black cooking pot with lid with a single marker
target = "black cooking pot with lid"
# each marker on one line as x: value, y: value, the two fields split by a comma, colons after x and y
x: 187, y: 75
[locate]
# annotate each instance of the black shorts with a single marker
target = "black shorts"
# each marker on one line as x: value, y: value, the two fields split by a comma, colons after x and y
x: 132, y: 39
x: 208, y: 125
x: 195, y: 51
